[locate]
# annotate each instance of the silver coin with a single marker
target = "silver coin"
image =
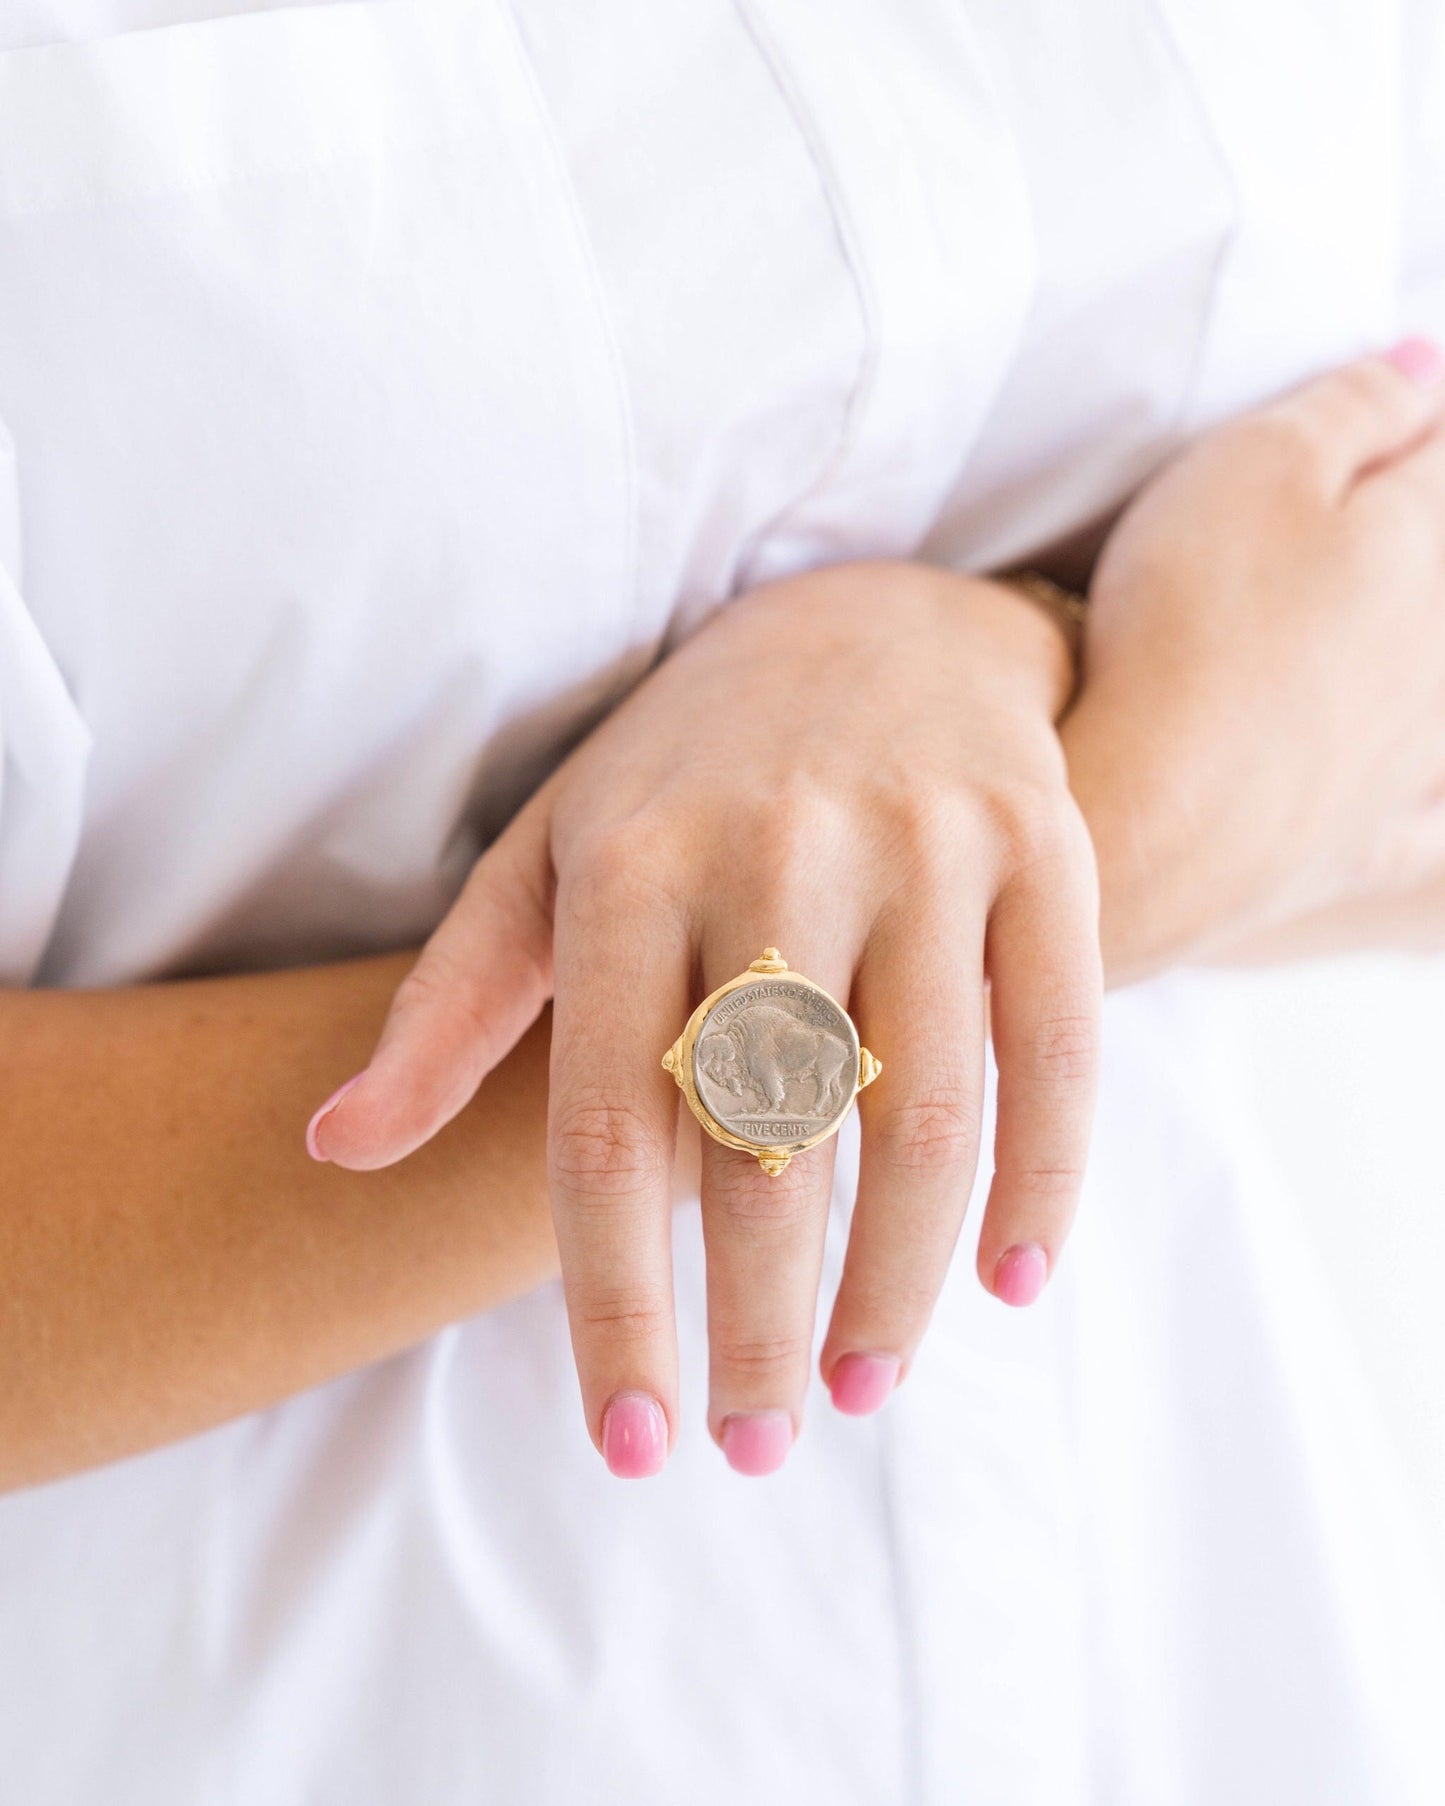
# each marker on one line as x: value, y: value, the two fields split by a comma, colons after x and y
x: 776, y: 1062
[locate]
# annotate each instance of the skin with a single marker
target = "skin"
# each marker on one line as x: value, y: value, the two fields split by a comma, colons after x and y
x: 929, y: 849
x: 172, y: 1258
x: 899, y: 825
x: 1267, y: 646
x: 171, y: 1255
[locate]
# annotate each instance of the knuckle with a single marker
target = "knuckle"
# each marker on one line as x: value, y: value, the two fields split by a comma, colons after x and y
x: 762, y: 1355
x: 1052, y: 1187
x: 939, y: 1129
x: 624, y: 1316
x: 800, y: 825
x: 1064, y: 1049
x: 624, y: 869
x: 934, y: 826
x: 758, y: 1201
x: 1030, y: 822
x: 892, y: 1310
x: 606, y: 1147
x: 436, y: 982
x: 801, y: 817
x: 428, y: 981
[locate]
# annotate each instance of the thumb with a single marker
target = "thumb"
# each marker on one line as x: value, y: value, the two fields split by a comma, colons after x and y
x: 477, y: 986
x: 1369, y: 410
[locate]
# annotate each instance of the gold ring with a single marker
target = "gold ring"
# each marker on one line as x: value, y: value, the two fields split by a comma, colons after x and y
x: 770, y: 1063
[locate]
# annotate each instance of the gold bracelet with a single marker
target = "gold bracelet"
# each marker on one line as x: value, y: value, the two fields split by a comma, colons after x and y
x: 1068, y: 609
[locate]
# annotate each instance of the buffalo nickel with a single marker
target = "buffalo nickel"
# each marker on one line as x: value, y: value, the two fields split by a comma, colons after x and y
x: 776, y: 1062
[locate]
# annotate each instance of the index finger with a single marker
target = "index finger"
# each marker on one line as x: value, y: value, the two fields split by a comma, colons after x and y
x: 622, y: 966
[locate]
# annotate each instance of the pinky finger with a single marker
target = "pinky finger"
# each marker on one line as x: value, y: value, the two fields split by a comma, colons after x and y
x: 1046, y: 981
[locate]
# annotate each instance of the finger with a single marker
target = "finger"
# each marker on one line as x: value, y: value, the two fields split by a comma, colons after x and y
x: 1420, y: 472
x: 765, y: 1234
x: 477, y: 986
x: 623, y: 957
x: 919, y: 993
x: 764, y: 1238
x: 1364, y: 412
x: 1042, y: 958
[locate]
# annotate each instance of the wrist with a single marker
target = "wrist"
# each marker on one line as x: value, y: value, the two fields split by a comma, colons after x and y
x: 1036, y: 623
x: 1162, y: 901
x: 1068, y: 609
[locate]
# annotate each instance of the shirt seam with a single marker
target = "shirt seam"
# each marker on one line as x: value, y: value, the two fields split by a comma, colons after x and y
x: 587, y: 254
x: 850, y: 243
x: 1212, y: 304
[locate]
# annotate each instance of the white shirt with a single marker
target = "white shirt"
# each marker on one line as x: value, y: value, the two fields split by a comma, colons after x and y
x: 383, y: 386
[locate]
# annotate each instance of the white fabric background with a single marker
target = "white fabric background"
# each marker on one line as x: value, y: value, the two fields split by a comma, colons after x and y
x: 1342, y: 1066
x: 384, y: 384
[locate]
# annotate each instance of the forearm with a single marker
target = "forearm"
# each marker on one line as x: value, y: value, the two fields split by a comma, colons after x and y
x: 171, y: 1256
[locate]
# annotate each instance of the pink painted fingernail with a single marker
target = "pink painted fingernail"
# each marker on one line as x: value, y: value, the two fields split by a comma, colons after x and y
x: 1420, y: 359
x: 1020, y: 1274
x: 634, y: 1436
x: 312, y: 1146
x: 757, y: 1442
x: 862, y: 1382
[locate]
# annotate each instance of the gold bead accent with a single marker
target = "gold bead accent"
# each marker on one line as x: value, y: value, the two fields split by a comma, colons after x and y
x: 772, y: 961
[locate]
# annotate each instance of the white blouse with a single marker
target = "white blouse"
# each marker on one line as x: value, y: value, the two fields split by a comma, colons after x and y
x: 384, y: 385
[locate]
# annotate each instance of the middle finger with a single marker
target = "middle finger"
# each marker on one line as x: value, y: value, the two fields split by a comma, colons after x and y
x: 764, y: 1235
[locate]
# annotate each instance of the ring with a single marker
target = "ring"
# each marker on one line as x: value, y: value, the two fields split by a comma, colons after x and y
x: 770, y: 1063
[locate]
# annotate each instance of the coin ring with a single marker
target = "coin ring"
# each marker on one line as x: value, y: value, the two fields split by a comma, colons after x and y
x: 770, y: 1063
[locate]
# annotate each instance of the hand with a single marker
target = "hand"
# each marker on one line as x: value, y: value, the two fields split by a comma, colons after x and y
x: 858, y: 766
x: 1260, y: 740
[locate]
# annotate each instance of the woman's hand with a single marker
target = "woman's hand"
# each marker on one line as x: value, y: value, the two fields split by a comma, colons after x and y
x: 860, y: 767
x: 1259, y: 747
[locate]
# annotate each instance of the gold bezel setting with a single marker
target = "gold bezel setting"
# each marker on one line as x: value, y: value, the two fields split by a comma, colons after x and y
x: 678, y: 1060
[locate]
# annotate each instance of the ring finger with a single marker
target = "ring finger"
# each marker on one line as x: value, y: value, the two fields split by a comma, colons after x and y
x: 920, y: 998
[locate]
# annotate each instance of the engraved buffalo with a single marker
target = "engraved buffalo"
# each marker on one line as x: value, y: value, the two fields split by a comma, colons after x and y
x: 763, y: 1050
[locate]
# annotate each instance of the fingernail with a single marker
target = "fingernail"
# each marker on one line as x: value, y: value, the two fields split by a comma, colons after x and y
x: 634, y: 1436
x: 757, y: 1442
x: 312, y: 1146
x: 862, y: 1382
x: 1020, y: 1274
x: 1420, y: 359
